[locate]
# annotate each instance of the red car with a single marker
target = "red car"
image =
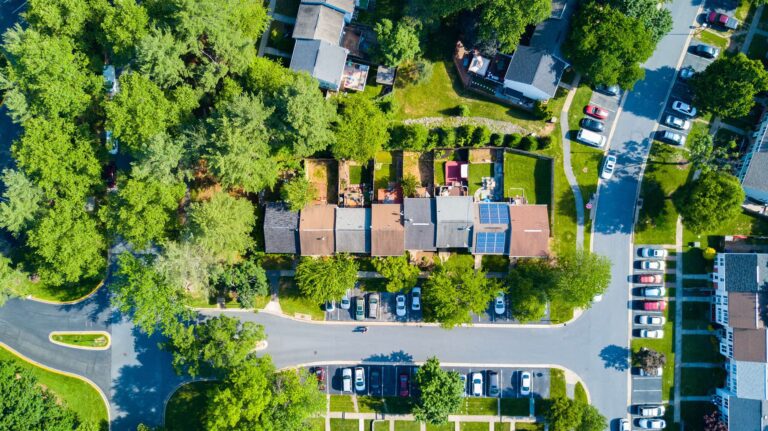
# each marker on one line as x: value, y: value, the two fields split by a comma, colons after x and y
x: 404, y: 386
x: 320, y: 374
x: 596, y: 112
x: 650, y: 279
x: 722, y: 20
x: 654, y: 305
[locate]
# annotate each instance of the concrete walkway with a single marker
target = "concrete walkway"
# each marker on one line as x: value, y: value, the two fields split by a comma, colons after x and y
x: 696, y: 277
x: 678, y: 315
x: 697, y: 332
x: 456, y: 419
x: 695, y: 398
x: 564, y: 129
x: 752, y: 29
x: 700, y: 365
x: 693, y: 298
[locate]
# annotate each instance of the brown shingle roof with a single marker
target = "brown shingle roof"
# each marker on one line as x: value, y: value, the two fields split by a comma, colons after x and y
x: 749, y: 345
x: 743, y: 310
x: 530, y: 231
x: 316, y: 233
x: 387, y: 233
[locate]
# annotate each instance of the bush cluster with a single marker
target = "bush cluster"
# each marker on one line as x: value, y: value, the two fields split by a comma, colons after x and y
x: 416, y: 137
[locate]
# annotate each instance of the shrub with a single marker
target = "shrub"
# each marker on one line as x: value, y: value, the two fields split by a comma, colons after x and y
x: 512, y: 140
x: 528, y: 143
x: 464, y: 135
x: 496, y: 140
x: 542, y: 111
x: 408, y: 137
x: 413, y: 73
x: 433, y: 139
x: 388, y: 104
x: 447, y: 137
x: 544, y: 142
x: 481, y: 136
x: 462, y: 111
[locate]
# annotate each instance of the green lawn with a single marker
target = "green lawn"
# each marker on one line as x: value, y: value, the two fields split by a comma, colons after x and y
x: 692, y: 413
x: 407, y: 426
x: 82, y: 340
x: 445, y: 427
x: 531, y: 174
x: 744, y: 11
x: 579, y: 393
x: 355, y: 174
x: 292, y: 301
x: 478, y: 406
x: 560, y: 312
x: 556, y: 383
x: 68, y: 292
x: 515, y: 406
x: 474, y: 426
x: 439, y: 171
x: 666, y: 346
x: 367, y: 404
x: 576, y: 111
x: 78, y: 395
x: 563, y: 202
x: 185, y: 409
x: 315, y: 424
x: 342, y: 403
x: 378, y: 426
x: 476, y: 173
x: 495, y: 263
x: 696, y: 315
x: 522, y: 426
x: 287, y: 7
x: 712, y: 37
x: 345, y: 425
x: 742, y: 224
x: 398, y: 405
x: 693, y: 261
x: 701, y: 348
x: 701, y: 381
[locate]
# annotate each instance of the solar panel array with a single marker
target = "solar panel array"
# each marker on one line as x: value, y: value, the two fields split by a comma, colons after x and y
x: 494, y: 213
x: 491, y: 242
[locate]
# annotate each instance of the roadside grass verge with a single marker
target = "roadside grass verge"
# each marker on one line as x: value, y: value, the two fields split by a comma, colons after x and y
x: 711, y: 38
x: 292, y: 301
x: 666, y: 346
x: 473, y: 426
x: 701, y: 348
x: 478, y: 406
x: 515, y: 406
x: 580, y: 394
x: 65, y: 293
x: 185, y: 408
x: 576, y: 111
x: 701, y: 381
x: 345, y: 424
x: 559, y: 312
x: 556, y: 383
x: 342, y: 403
x: 407, y: 426
x: 450, y: 426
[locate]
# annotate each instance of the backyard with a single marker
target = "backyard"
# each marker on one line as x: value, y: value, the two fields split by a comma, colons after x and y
x: 476, y: 173
x: 383, y: 170
x: 528, y: 175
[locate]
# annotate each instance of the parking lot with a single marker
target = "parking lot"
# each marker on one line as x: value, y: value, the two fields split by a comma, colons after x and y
x: 610, y: 104
x: 383, y: 380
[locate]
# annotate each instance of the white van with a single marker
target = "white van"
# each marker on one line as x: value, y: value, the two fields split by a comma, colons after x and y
x: 591, y: 138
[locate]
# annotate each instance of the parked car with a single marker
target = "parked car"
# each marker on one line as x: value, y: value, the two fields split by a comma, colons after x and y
x: 624, y: 425
x: 346, y: 380
x: 651, y: 411
x: 597, y: 298
x: 651, y: 333
x: 658, y: 253
x: 404, y: 385
x: 707, y: 51
x: 493, y: 384
x: 608, y: 167
x: 649, y: 279
x: 319, y: 372
x: 330, y: 307
x: 611, y: 90
x: 373, y: 305
x: 592, y: 124
x: 596, y: 112
x: 671, y: 138
x: 654, y: 305
x: 400, y: 305
x: 345, y: 302
x: 658, y: 372
x: 499, y: 306
x: 110, y: 176
x: 647, y: 319
x: 375, y: 380
x: 654, y: 292
x: 653, y: 265
x: 111, y: 143
x: 463, y: 378
x: 684, y: 108
x: 722, y: 20
x: 360, y: 308
x: 359, y: 379
x: 416, y: 299
x: 477, y: 384
x: 677, y: 122
x: 652, y: 424
x: 687, y: 73
x: 525, y: 383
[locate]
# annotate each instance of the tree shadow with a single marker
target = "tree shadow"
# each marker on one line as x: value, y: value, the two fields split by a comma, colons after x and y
x: 399, y: 357
x: 615, y: 357
x: 647, y: 98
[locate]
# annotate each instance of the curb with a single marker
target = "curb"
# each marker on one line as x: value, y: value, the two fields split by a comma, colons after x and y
x: 72, y: 346
x: 74, y: 301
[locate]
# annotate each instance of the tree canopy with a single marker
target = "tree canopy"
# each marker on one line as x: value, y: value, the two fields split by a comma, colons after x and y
x: 361, y: 129
x: 454, y: 290
x: 400, y: 274
x: 298, y: 192
x: 146, y: 210
x: 728, y: 86
x: 326, y: 279
x: 398, y: 43
x: 222, y: 225
x: 504, y: 22
x: 440, y: 393
x: 580, y: 276
x: 709, y: 201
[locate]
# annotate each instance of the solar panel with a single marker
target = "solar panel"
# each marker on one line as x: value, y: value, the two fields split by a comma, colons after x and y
x: 491, y: 242
x: 494, y: 213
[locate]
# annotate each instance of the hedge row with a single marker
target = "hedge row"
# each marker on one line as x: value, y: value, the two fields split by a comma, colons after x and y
x: 416, y: 137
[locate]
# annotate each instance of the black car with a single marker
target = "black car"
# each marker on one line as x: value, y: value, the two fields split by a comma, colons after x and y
x: 110, y: 176
x: 375, y: 380
x: 611, y: 90
x: 707, y: 51
x: 593, y: 125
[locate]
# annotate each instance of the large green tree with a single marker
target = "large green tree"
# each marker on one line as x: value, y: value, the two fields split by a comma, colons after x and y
x: 326, y: 278
x: 361, y: 129
x: 63, y: 17
x: 398, y: 43
x: 505, y: 21
x: 21, y: 203
x: 454, y: 291
x: 298, y: 192
x: 222, y: 225
x: 709, y: 201
x: 398, y: 271
x: 124, y: 25
x: 440, y: 393
x: 159, y: 56
x: 728, y: 86
x: 13, y: 281
x: 563, y: 414
x: 186, y: 266
x: 146, y: 210
x: 581, y: 276
x: 247, y: 278
x: 658, y: 20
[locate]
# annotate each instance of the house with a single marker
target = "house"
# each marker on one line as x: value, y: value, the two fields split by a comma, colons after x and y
x: 754, y: 169
x: 529, y: 231
x: 419, y: 216
x: 346, y: 7
x: 741, y: 283
x: 454, y: 219
x: 324, y: 61
x: 281, y: 229
x: 353, y: 230
x: 317, y: 22
x: 316, y: 230
x: 387, y: 232
x: 491, y: 228
x: 533, y: 73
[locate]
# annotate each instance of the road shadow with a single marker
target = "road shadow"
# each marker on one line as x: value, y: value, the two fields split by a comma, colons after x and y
x: 615, y: 357
x: 399, y: 357
x: 647, y: 97
x: 96, y: 307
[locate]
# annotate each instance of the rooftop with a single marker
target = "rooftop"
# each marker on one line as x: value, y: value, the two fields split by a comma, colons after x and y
x: 743, y: 310
x: 536, y: 67
x: 747, y: 415
x: 281, y: 229
x: 387, y: 232
x: 746, y: 272
x: 454, y: 221
x: 316, y: 22
x: 316, y: 230
x: 353, y: 230
x: 749, y: 345
x: 419, y: 215
x: 530, y: 231
x: 345, y: 6
x: 322, y: 60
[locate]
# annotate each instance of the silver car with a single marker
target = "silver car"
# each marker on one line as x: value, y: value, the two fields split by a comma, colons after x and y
x: 658, y: 253
x: 683, y: 108
x: 651, y: 411
x: 652, y: 424
x: 360, y: 379
x: 525, y: 383
x: 654, y: 292
x: 477, y: 384
x: 652, y: 333
x: 653, y: 265
x: 400, y: 305
x: 498, y: 304
x: 416, y: 299
x: 647, y: 319
x: 677, y: 123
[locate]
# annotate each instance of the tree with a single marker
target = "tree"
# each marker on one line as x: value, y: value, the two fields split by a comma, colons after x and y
x: 580, y: 277
x: 591, y: 419
x: 21, y: 203
x: 13, y: 281
x: 528, y: 303
x: 241, y: 400
x: 295, y: 399
x: 59, y: 17
x: 657, y: 20
x: 563, y: 414
x: 219, y: 344
x: 709, y: 201
x: 162, y: 159
x: 409, y: 183
x: 596, y: 52
x: 398, y: 271
x: 443, y: 8
x: 713, y: 422
x: 298, y: 192
x: 649, y: 360
x: 454, y: 290
x: 186, y: 266
x: 505, y: 21
x: 158, y: 56
x: 143, y: 293
x: 248, y: 278
x: 361, y: 129
x: 124, y: 25
x: 398, y: 43
x: 326, y: 279
x: 728, y: 86
x: 26, y: 404
x: 222, y: 225
x: 146, y: 210
x: 440, y: 393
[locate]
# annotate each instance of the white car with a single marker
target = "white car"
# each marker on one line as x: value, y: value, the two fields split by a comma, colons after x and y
x: 647, y: 319
x: 416, y: 299
x: 525, y: 383
x: 346, y: 380
x: 653, y: 265
x: 498, y: 304
x: 658, y: 253
x: 624, y: 425
x: 652, y: 424
x: 677, y: 123
x: 651, y: 411
x: 360, y: 379
x: 345, y: 303
x: 477, y: 384
x: 672, y: 138
x: 658, y: 372
x: 400, y: 305
x: 330, y: 306
x: 684, y: 108
x: 608, y: 167
x: 597, y: 298
x: 654, y: 292
x: 651, y: 333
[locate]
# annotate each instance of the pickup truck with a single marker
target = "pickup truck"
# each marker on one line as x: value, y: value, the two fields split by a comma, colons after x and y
x: 722, y: 20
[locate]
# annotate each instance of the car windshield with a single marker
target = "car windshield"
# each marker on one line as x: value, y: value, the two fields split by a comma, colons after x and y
x: 476, y: 381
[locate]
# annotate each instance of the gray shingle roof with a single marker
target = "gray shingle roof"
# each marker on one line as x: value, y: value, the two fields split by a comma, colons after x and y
x: 454, y: 221
x: 281, y: 229
x: 347, y: 6
x: 747, y: 415
x: 746, y: 272
x: 419, y: 215
x: 353, y: 230
x: 318, y: 22
x: 536, y: 67
x: 321, y: 59
x: 757, y: 172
